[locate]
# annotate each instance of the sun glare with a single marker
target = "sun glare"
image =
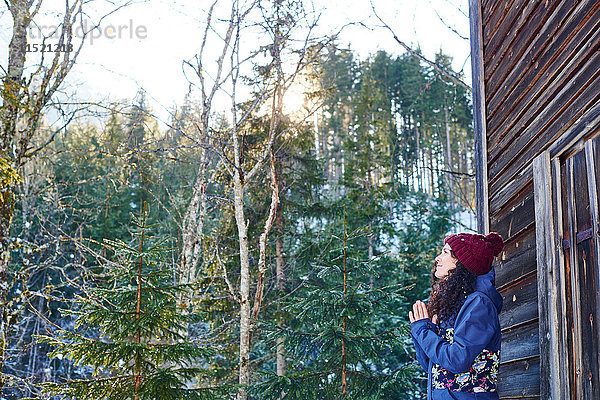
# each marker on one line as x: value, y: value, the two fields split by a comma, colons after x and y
x: 297, y: 100
x: 293, y: 100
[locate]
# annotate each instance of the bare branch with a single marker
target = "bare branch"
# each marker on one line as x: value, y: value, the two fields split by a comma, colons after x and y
x: 262, y: 267
x: 448, y: 74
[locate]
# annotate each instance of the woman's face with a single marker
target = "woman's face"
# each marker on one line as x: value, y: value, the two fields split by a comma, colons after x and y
x: 444, y: 262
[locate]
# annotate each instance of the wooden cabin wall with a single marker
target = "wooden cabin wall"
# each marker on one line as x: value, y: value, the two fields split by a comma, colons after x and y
x: 541, y: 73
x: 519, y: 375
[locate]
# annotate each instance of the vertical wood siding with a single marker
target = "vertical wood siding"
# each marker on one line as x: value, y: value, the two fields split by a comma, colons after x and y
x: 579, y: 176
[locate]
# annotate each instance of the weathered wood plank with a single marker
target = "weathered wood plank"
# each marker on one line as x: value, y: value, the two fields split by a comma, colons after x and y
x: 515, y: 17
x: 547, y: 56
x: 481, y: 183
x: 545, y: 265
x: 586, y: 281
x: 566, y: 95
x: 521, y: 398
x: 508, y: 191
x: 592, y: 171
x: 582, y: 128
x: 496, y: 13
x: 517, y: 259
x: 520, y: 302
x: 519, y: 343
x: 560, y: 172
x: 489, y: 7
x: 516, y: 216
x: 575, y: 349
x: 510, y: 202
x: 547, y: 113
x: 521, y: 378
x: 583, y: 216
x: 558, y: 98
x: 561, y: 277
x: 563, y: 173
x: 539, y: 133
x: 524, y: 32
x: 484, y: 7
x: 596, y: 165
x: 588, y: 288
x: 492, y: 14
x: 592, y: 150
x: 553, y: 377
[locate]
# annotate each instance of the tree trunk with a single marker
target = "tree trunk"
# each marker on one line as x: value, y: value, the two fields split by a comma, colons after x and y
x: 193, y: 227
x: 337, y: 163
x: 451, y: 194
x: 280, y: 264
x: 244, y: 369
x: 418, y: 160
x: 317, y: 135
x: 432, y: 176
x: 345, y: 281
x: 262, y: 247
x: 138, y: 313
x: 7, y: 208
x: 8, y: 175
x: 323, y: 144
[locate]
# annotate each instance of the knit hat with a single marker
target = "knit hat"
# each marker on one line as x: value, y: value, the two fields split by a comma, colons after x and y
x: 476, y: 252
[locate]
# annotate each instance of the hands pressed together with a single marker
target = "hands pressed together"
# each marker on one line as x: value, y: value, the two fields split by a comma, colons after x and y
x: 419, y: 312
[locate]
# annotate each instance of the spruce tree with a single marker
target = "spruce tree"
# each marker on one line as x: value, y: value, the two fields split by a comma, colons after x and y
x: 335, y: 343
x: 130, y: 331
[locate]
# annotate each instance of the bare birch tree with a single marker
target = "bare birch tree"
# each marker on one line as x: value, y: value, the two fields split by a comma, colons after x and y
x: 279, y: 21
x: 193, y: 223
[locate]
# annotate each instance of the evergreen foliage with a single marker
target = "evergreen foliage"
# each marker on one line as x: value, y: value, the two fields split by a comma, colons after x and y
x: 337, y: 346
x: 130, y: 329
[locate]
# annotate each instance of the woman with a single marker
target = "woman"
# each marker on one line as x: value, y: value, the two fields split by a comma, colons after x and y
x: 459, y: 346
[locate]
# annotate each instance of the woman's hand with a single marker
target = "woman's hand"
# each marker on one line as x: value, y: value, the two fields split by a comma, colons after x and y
x: 419, y: 312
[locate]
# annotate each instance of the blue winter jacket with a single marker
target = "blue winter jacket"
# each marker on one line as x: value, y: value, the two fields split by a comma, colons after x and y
x: 476, y: 328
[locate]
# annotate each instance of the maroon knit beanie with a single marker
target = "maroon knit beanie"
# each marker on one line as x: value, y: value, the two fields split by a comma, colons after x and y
x: 476, y: 252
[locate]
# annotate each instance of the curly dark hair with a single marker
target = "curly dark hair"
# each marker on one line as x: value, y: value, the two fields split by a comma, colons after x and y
x: 448, y: 294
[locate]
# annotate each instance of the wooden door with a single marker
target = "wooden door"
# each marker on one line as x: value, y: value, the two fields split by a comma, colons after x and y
x: 578, y: 185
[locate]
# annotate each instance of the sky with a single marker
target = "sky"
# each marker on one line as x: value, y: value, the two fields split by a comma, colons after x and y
x: 144, y: 45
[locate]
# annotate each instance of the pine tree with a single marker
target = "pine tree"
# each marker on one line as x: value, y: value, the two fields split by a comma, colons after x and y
x: 138, y: 144
x: 129, y: 330
x: 335, y: 345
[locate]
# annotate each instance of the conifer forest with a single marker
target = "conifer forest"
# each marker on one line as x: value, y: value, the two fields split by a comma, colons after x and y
x: 264, y: 241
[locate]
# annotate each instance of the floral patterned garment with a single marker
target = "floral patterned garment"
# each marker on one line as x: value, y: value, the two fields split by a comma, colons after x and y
x: 482, y: 376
